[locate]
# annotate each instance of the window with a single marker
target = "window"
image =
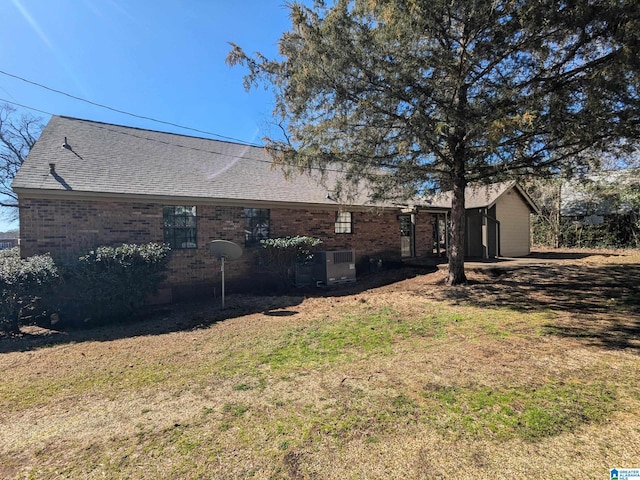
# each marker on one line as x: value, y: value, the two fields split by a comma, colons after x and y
x: 406, y: 227
x: 256, y: 225
x: 343, y: 222
x: 180, y: 228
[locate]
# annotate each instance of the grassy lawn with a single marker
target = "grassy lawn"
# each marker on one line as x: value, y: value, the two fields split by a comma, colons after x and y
x: 530, y: 373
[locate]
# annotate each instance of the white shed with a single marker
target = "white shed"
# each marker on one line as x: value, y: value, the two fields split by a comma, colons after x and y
x: 498, y: 222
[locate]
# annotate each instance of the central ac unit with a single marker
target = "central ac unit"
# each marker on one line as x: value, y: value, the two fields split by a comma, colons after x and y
x: 334, y: 267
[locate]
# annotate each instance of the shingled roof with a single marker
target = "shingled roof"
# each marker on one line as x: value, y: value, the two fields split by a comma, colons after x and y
x: 102, y: 159
x: 480, y: 196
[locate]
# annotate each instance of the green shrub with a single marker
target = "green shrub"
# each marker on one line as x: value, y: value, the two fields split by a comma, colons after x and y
x: 111, y: 283
x: 616, y: 231
x: 22, y: 283
x: 282, y: 255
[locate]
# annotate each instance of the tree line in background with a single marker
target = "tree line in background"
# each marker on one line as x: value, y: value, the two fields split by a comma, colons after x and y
x: 601, y: 210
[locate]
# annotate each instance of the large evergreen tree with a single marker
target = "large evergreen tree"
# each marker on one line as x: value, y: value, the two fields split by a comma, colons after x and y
x: 451, y: 91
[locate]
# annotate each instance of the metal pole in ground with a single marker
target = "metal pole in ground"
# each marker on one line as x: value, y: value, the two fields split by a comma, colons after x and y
x: 222, y: 270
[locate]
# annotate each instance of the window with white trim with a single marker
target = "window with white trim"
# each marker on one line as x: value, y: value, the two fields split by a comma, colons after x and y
x: 344, y: 222
x: 256, y: 225
x: 180, y: 227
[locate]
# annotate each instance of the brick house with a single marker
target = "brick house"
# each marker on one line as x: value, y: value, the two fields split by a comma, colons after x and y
x: 86, y: 184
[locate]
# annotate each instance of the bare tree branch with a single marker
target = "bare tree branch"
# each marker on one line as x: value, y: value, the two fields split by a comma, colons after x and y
x: 18, y: 135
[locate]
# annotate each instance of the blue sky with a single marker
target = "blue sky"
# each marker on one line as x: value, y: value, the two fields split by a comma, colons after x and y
x: 162, y: 59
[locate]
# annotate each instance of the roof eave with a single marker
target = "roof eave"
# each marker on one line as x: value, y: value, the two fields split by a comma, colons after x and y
x: 532, y: 205
x: 187, y: 200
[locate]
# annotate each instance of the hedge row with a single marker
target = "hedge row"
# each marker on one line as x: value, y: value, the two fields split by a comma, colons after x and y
x: 107, y: 284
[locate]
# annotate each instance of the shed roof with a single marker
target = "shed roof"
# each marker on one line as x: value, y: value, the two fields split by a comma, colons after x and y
x: 104, y: 160
x: 480, y: 196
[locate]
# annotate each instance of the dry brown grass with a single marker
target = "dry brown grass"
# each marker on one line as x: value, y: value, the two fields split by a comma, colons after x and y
x: 527, y: 372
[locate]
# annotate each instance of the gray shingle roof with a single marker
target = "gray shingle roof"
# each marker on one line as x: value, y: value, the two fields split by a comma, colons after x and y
x: 110, y: 159
x: 479, y: 196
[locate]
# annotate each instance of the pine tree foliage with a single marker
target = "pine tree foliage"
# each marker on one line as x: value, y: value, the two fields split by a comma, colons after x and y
x: 449, y: 92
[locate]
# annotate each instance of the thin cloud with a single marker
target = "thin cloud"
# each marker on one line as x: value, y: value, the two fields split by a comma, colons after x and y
x: 31, y: 21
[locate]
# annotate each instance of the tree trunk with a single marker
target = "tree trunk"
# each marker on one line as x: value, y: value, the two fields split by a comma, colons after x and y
x: 558, y: 219
x: 457, y: 244
x: 457, y: 145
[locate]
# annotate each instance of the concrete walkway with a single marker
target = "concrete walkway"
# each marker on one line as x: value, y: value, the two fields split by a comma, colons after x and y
x: 506, y: 263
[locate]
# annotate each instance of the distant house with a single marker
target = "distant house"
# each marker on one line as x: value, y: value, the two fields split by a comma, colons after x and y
x: 498, y: 222
x: 86, y: 184
x: 9, y: 239
x: 6, y: 243
x: 591, y: 199
x: 601, y: 209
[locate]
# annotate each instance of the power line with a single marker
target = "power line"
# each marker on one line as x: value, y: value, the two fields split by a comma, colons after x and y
x: 25, y: 106
x: 100, y: 105
x: 107, y: 126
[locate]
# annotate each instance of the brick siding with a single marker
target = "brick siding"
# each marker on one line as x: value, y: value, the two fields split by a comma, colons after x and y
x: 425, y: 225
x: 67, y: 228
x: 374, y: 233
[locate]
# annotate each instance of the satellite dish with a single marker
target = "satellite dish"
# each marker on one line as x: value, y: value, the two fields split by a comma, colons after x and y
x: 225, y: 250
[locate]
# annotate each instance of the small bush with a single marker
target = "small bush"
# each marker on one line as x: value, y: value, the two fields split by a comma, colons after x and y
x: 283, y: 254
x: 616, y: 231
x: 22, y: 283
x: 111, y: 283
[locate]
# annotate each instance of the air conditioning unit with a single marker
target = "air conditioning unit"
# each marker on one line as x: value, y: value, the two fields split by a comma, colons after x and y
x: 334, y: 267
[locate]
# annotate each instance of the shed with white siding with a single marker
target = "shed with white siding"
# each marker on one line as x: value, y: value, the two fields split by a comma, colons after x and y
x: 498, y: 222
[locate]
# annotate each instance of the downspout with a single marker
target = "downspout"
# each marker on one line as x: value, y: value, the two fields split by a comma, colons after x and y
x: 484, y: 234
x: 412, y: 246
x: 446, y: 233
